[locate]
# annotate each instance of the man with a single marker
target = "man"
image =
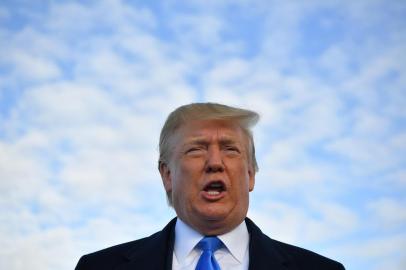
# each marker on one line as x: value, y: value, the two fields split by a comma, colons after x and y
x: 207, y: 164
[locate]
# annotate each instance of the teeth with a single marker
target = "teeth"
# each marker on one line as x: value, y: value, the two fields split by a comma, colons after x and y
x: 213, y: 192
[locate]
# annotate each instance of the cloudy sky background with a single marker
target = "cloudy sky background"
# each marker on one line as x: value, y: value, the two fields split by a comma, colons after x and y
x: 85, y: 88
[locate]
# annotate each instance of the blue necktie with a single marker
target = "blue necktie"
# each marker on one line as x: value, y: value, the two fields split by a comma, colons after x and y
x: 207, y: 261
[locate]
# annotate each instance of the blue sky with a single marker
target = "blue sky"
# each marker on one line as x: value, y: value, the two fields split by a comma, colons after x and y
x: 86, y: 87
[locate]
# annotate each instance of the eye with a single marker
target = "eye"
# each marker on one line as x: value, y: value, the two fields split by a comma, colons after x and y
x: 232, y: 149
x: 194, y: 150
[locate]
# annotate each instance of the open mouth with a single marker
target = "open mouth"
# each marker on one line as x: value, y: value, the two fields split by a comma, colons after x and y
x: 215, y: 188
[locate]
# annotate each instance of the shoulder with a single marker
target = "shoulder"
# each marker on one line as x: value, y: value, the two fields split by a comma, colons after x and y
x: 134, y: 252
x: 305, y: 259
x: 110, y: 257
x: 265, y: 249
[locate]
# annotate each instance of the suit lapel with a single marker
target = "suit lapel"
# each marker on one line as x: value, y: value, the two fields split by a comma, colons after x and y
x: 263, y: 253
x: 155, y: 254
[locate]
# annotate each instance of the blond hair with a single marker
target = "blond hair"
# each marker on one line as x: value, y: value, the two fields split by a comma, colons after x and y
x: 207, y: 111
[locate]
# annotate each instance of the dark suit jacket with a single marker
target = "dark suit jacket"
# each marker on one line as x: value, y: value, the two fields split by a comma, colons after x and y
x: 155, y: 253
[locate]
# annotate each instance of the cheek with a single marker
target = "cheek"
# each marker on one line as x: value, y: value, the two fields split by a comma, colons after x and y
x: 185, y: 178
x: 191, y: 168
x: 242, y: 178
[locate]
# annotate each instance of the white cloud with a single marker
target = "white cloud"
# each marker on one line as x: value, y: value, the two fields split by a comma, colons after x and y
x: 89, y: 17
x: 86, y: 88
x: 198, y: 29
x: 388, y: 212
x: 21, y: 172
x: 229, y: 70
x: 34, y: 68
x: 40, y: 251
x: 374, y: 248
x: 397, y: 178
x: 319, y: 222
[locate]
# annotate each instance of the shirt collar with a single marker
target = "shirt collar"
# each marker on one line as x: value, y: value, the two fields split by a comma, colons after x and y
x: 237, y: 241
x: 186, y: 238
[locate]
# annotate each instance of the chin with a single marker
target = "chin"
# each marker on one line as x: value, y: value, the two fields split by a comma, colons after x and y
x: 216, y: 210
x: 212, y: 214
x: 220, y: 217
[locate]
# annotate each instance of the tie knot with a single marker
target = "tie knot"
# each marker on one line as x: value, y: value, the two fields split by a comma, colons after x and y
x: 210, y: 243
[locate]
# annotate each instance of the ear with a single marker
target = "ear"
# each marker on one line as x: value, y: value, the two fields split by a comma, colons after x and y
x: 166, y: 176
x: 251, y: 175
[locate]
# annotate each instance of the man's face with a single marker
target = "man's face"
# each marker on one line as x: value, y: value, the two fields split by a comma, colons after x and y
x: 209, y: 175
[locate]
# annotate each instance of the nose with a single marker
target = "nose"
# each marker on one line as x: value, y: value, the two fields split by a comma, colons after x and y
x: 214, y: 162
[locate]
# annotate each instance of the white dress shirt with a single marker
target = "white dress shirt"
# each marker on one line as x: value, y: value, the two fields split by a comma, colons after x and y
x: 233, y: 256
